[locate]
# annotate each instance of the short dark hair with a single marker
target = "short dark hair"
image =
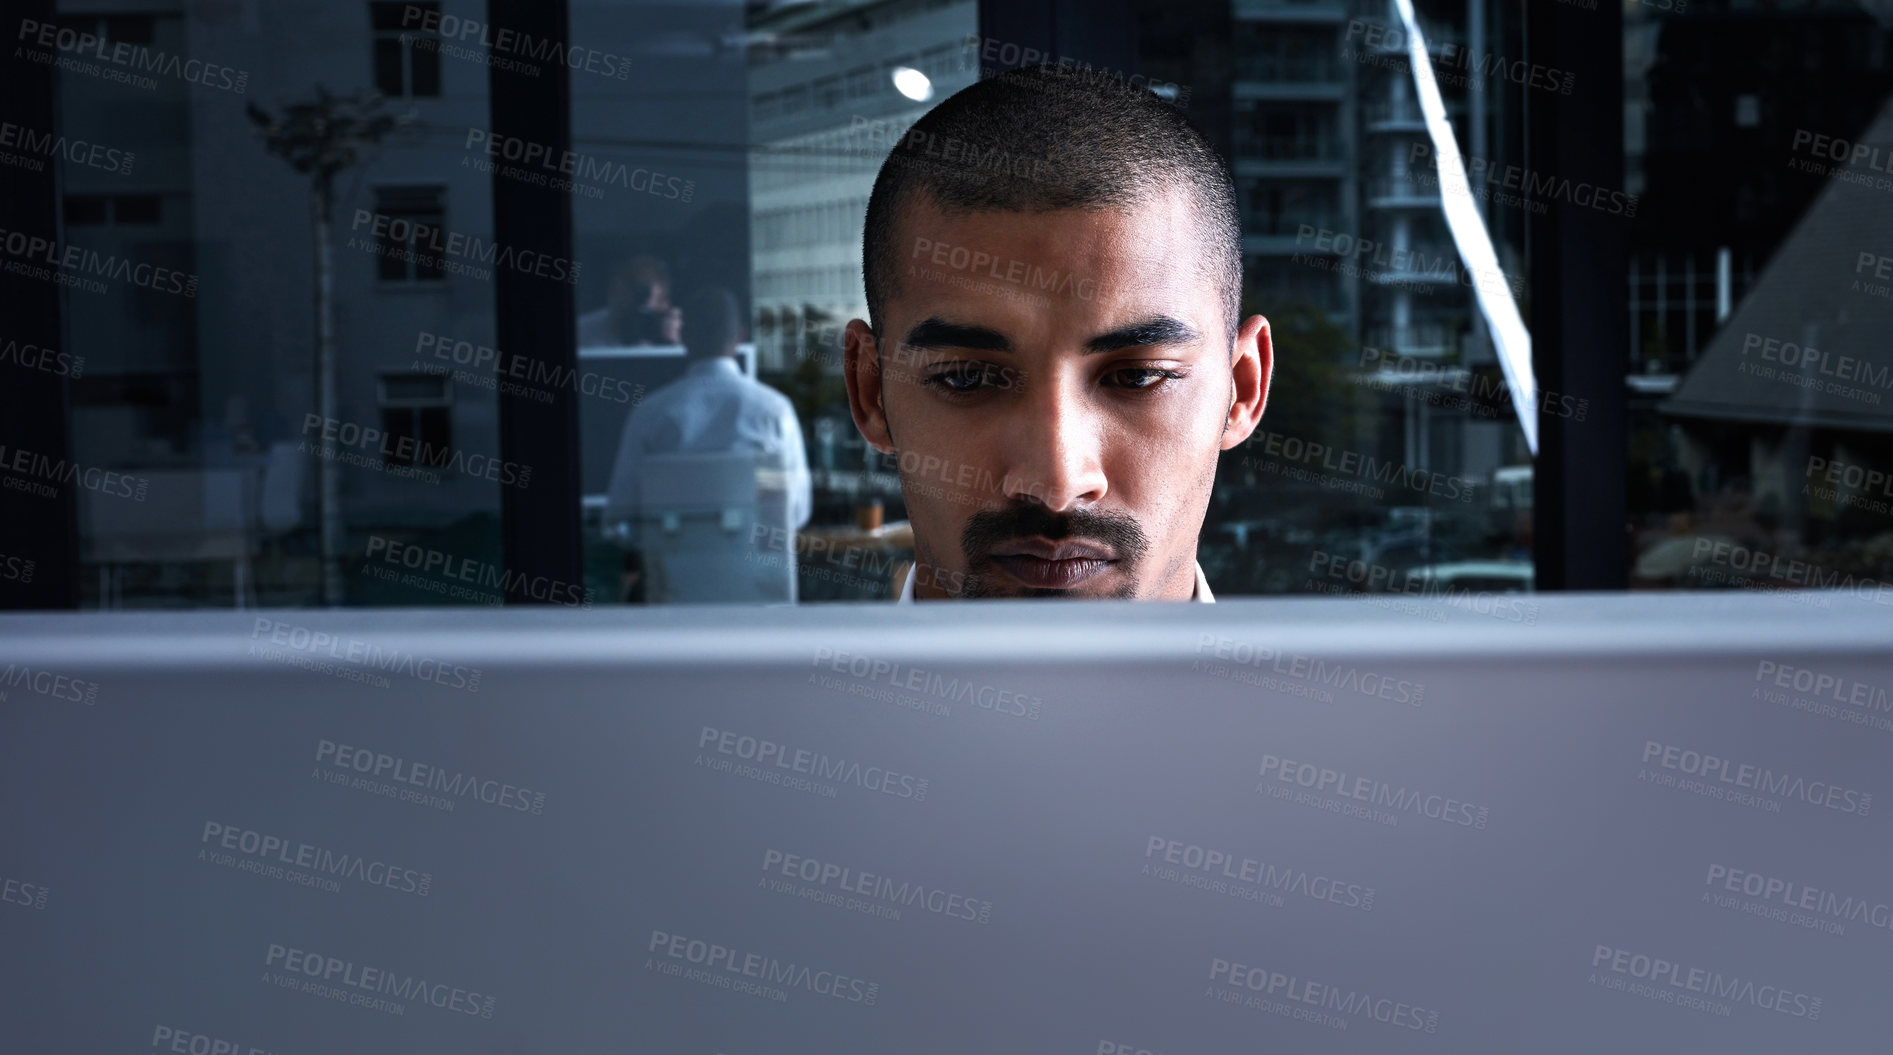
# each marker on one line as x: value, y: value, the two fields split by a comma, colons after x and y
x: 710, y: 321
x: 1039, y: 139
x: 642, y: 268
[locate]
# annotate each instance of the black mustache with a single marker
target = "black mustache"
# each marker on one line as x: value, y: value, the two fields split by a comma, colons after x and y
x: 989, y: 528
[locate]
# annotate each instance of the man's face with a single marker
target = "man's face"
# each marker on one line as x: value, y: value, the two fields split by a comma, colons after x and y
x: 1056, y: 388
x: 629, y: 294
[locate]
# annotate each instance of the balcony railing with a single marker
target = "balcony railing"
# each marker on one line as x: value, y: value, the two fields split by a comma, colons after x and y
x: 1414, y: 189
x: 1317, y: 67
x: 1289, y: 148
x: 1428, y: 264
x: 1422, y: 341
x: 1310, y: 10
x: 1386, y: 113
x: 1394, y: 40
x: 1289, y: 226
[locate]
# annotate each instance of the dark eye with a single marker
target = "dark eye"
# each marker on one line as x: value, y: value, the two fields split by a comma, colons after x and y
x: 1140, y: 378
x: 960, y: 378
x: 971, y: 377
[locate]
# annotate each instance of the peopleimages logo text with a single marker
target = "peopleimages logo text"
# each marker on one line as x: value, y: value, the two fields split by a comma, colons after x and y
x: 28, y: 356
x: 1245, y: 869
x: 365, y: 655
x: 187, y: 1042
x: 533, y: 373
x: 1334, y: 998
x: 1875, y: 912
x: 932, y: 683
x: 73, y: 263
x: 338, y: 971
x: 1757, y: 778
x: 134, y: 56
x: 1353, y: 463
x: 1826, y: 686
x: 415, y: 237
x: 17, y: 892
x: 26, y: 463
x: 406, y: 449
x: 576, y: 167
x: 262, y: 847
x: 511, y: 581
x: 1714, y: 984
x: 767, y: 969
x: 1366, y: 789
x: 73, y: 151
x: 1309, y: 668
x: 428, y: 18
x: 49, y: 683
x: 813, y: 763
x: 1400, y: 260
x: 435, y: 778
x: 875, y: 885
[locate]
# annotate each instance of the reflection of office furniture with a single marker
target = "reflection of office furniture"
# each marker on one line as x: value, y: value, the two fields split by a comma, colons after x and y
x: 843, y: 562
x: 613, y: 380
x: 280, y: 507
x: 1475, y: 577
x: 186, y: 515
x: 222, y: 513
x: 706, y: 526
x: 1391, y: 815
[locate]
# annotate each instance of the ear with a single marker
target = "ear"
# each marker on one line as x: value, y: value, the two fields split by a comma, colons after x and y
x: 1250, y: 371
x: 861, y: 370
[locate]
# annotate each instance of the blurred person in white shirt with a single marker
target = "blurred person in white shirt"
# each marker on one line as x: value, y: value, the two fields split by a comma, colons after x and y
x: 714, y: 408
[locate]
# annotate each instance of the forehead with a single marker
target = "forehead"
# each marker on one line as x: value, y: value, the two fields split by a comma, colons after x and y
x: 1081, y: 265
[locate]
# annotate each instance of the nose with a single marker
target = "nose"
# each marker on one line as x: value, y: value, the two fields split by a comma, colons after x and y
x: 1054, y: 446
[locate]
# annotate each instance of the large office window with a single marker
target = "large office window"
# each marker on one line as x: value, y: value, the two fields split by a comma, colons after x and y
x: 1759, y: 371
x: 202, y: 327
x: 768, y: 138
x: 734, y: 146
x: 1389, y: 459
x: 1385, y: 366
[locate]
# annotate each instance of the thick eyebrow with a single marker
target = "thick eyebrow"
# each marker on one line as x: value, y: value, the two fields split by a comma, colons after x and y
x: 938, y: 333
x: 1156, y: 331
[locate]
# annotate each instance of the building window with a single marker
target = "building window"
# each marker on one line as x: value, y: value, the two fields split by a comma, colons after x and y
x: 88, y: 210
x: 940, y: 61
x: 408, y: 245
x: 141, y: 209
x: 406, y: 51
x: 828, y: 93
x: 417, y: 418
x: 98, y: 210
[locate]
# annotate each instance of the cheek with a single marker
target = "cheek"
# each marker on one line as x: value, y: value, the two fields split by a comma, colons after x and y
x: 938, y: 521
x: 1164, y: 473
x: 1171, y: 441
x: 949, y: 474
x: 942, y: 488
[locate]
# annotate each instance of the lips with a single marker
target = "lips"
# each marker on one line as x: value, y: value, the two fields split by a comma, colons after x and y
x: 1046, y: 565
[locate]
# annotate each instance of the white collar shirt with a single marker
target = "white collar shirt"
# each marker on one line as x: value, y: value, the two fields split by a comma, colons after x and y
x: 1201, y: 593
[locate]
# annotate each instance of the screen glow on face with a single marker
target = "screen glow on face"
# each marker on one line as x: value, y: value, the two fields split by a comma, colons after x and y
x: 1056, y: 444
